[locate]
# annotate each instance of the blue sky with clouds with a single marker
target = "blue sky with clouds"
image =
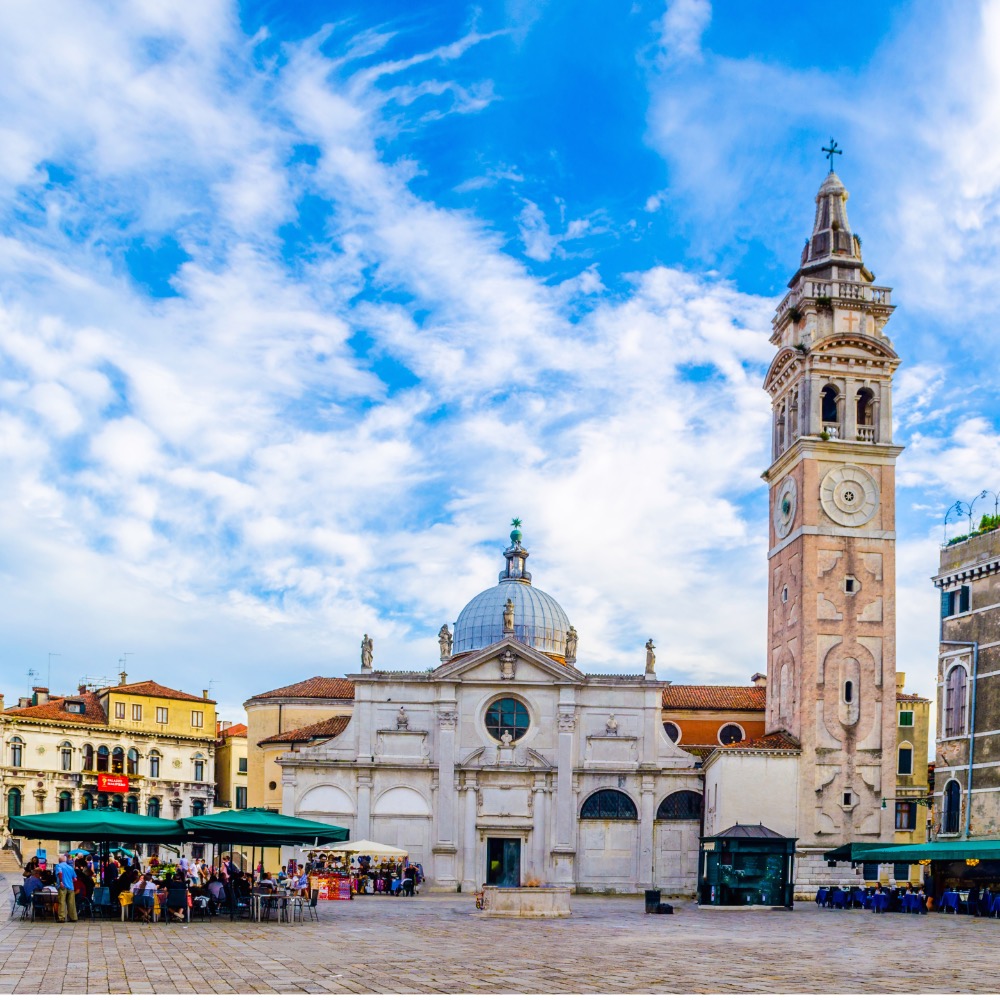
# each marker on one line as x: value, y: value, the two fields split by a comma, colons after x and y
x: 301, y: 303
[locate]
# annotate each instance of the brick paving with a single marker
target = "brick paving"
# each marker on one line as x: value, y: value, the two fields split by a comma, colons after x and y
x: 439, y: 943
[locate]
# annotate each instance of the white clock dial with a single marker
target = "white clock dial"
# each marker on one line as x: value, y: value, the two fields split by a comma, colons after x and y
x: 849, y: 496
x: 785, y: 503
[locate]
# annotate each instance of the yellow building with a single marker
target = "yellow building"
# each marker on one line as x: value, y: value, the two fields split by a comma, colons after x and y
x: 231, y: 767
x: 913, y: 717
x: 161, y: 739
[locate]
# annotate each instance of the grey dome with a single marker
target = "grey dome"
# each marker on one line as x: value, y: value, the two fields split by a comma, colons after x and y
x: 539, y: 621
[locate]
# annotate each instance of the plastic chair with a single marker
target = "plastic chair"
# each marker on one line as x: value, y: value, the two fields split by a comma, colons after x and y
x: 177, y: 899
x: 313, y: 904
x: 101, y: 903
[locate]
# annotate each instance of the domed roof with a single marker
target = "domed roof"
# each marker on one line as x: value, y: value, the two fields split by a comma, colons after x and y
x: 539, y: 621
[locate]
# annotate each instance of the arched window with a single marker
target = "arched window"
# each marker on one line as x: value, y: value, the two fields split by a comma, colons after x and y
x: 153, y: 807
x: 954, y: 702
x: 118, y: 761
x: 673, y: 731
x: 197, y: 807
x: 680, y: 805
x: 507, y: 715
x: 88, y: 757
x: 102, y: 800
x: 199, y: 767
x: 103, y: 758
x: 866, y: 415
x: 904, y: 759
x: 88, y: 800
x: 118, y: 802
x: 16, y: 752
x: 830, y: 407
x: 609, y: 803
x: 154, y: 763
x: 14, y: 802
x: 66, y: 755
x: 731, y: 733
x: 132, y: 804
x: 952, y: 806
x: 65, y: 802
x: 132, y: 761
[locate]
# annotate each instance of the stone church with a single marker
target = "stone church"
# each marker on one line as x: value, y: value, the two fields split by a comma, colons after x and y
x: 506, y: 763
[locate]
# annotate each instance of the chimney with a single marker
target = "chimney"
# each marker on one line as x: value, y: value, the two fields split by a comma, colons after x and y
x: 900, y: 681
x: 40, y: 696
x: 122, y: 678
x: 759, y: 680
x: 204, y: 693
x: 1, y: 702
x: 81, y: 689
x: 24, y: 703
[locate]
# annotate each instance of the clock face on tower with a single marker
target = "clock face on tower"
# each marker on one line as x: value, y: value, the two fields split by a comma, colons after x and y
x: 849, y: 496
x: 784, y: 507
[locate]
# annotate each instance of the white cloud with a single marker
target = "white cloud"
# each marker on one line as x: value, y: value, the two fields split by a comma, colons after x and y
x: 681, y: 29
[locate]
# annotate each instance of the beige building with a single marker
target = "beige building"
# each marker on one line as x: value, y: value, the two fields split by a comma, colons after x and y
x: 55, y: 748
x: 231, y: 766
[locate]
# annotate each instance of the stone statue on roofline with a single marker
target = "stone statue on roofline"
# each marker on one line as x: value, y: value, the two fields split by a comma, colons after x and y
x: 508, y: 617
x: 650, y: 657
x: 402, y: 719
x: 444, y: 641
x: 571, y: 641
x: 367, y: 653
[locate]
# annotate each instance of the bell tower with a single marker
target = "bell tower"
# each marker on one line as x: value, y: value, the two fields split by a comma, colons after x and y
x: 831, y: 602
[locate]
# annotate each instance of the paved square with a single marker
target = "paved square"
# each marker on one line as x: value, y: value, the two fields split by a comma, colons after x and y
x: 439, y: 943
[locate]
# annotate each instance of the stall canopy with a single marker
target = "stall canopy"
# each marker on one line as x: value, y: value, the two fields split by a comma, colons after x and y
x: 854, y: 850
x: 260, y: 828
x: 373, y: 848
x: 963, y: 850
x: 101, y: 825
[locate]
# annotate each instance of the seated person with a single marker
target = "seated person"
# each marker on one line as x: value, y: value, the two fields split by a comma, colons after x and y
x: 216, y: 894
x: 143, y: 896
x: 266, y: 882
x: 48, y: 882
x: 176, y: 886
x: 282, y: 877
x: 32, y: 883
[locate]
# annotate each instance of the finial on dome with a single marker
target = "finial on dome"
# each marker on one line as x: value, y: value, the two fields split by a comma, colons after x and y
x: 832, y: 151
x: 515, y: 556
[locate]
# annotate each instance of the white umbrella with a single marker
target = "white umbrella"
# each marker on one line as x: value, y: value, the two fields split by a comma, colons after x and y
x: 368, y: 847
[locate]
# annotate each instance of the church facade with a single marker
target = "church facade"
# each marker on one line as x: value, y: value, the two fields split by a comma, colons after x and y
x: 507, y: 764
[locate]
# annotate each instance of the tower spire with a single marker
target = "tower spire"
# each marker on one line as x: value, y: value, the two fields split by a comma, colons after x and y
x: 515, y: 554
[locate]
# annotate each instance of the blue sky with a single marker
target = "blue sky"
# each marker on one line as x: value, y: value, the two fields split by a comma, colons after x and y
x: 297, y: 313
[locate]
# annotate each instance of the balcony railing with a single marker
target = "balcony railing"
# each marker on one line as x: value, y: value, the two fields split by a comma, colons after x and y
x: 832, y: 430
x: 866, y: 432
x: 853, y: 291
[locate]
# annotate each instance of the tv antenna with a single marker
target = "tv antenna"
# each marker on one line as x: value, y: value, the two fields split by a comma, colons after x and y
x: 48, y: 678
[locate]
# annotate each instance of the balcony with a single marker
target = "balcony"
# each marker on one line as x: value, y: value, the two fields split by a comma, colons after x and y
x: 832, y: 431
x: 866, y: 432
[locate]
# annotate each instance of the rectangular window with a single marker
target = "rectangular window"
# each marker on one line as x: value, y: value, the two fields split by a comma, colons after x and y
x: 137, y: 713
x: 906, y: 816
x: 848, y: 798
x: 161, y: 716
x: 241, y: 797
x: 154, y: 766
x: 76, y: 707
x: 964, y: 599
x: 242, y: 769
x: 901, y: 872
x: 869, y: 871
x: 119, y: 710
x: 906, y: 720
x: 197, y: 720
x: 905, y: 765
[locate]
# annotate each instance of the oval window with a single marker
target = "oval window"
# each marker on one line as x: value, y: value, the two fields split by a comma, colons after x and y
x: 673, y: 731
x: 730, y: 734
x: 507, y: 715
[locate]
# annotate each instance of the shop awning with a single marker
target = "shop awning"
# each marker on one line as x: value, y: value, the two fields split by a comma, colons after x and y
x: 373, y: 848
x: 261, y: 828
x: 854, y: 850
x: 100, y: 825
x: 937, y: 850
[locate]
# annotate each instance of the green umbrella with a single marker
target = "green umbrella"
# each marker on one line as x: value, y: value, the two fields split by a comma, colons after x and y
x: 260, y: 828
x: 101, y: 824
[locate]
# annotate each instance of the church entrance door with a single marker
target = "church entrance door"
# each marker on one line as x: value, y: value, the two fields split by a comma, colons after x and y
x: 503, y: 861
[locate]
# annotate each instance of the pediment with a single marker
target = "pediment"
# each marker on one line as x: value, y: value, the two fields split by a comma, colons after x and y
x: 855, y: 345
x: 783, y: 360
x: 508, y: 660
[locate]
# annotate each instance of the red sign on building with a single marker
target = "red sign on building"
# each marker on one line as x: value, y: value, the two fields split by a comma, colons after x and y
x: 112, y: 782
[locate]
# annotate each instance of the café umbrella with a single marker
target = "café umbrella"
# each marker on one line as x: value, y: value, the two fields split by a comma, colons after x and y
x: 260, y: 828
x: 102, y: 825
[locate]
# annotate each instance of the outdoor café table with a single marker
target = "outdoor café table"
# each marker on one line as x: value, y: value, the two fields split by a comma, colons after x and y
x: 839, y: 898
x: 949, y: 899
x: 822, y: 895
x: 125, y: 900
x: 858, y: 897
x: 910, y: 904
x: 880, y: 903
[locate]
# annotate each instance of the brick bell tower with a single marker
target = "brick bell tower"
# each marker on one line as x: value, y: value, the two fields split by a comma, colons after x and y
x: 831, y: 602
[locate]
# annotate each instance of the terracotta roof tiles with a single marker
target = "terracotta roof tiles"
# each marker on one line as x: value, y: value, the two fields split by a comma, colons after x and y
x: 238, y: 730
x: 151, y: 689
x: 773, y: 741
x: 730, y: 697
x: 318, y: 730
x: 54, y: 710
x: 337, y: 688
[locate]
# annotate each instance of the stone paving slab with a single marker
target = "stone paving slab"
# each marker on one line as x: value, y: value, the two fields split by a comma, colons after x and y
x: 440, y: 944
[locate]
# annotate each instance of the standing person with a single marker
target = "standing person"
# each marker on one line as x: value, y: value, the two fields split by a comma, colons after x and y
x: 67, y: 891
x: 111, y: 872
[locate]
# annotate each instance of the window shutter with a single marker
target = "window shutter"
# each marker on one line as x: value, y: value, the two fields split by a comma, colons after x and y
x: 946, y: 602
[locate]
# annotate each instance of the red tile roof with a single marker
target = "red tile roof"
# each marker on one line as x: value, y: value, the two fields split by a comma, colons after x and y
x: 54, y: 710
x: 153, y: 690
x: 730, y: 697
x: 337, y: 688
x: 910, y: 697
x: 773, y: 741
x: 238, y: 730
x: 317, y: 731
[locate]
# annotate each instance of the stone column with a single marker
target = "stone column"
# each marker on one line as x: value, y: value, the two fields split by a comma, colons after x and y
x: 815, y: 406
x: 445, y: 812
x: 472, y: 878
x: 647, y: 814
x: 363, y: 831
x: 851, y: 409
x: 539, y: 832
x: 564, y: 789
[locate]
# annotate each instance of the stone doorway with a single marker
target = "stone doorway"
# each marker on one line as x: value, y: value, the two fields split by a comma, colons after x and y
x: 503, y: 861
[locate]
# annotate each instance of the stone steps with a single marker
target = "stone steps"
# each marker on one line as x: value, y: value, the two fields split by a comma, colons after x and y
x: 9, y: 865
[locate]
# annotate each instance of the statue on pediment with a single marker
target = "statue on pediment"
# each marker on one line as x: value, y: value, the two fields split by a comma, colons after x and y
x: 444, y: 641
x: 367, y: 651
x: 571, y: 640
